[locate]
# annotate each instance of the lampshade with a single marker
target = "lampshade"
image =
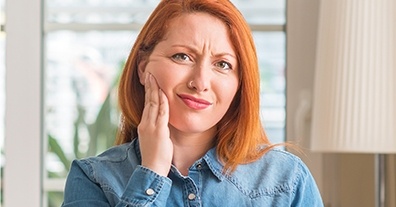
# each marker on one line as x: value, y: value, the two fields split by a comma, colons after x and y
x: 354, y: 104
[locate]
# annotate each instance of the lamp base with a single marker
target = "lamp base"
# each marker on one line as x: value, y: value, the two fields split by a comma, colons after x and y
x: 380, y: 180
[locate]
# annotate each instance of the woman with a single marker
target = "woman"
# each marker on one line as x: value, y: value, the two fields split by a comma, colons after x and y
x: 191, y: 133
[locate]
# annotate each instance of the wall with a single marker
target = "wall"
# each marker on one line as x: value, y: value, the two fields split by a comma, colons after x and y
x: 345, y: 180
x: 302, y: 20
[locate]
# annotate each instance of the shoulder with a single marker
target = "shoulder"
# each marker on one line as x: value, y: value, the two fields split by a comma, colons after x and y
x: 276, y: 161
x: 284, y: 164
x: 277, y: 158
x: 275, y: 172
x: 115, y: 154
x: 115, y: 161
x: 104, y: 176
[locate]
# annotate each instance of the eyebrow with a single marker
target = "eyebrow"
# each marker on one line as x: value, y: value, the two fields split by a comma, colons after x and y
x: 225, y: 54
x: 196, y: 51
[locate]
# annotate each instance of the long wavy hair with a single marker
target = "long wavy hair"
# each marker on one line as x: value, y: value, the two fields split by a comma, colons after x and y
x: 240, y: 137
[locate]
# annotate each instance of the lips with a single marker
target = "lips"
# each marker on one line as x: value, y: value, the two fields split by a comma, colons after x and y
x: 195, y: 103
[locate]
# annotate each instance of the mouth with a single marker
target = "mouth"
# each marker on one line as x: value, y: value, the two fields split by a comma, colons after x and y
x: 195, y: 103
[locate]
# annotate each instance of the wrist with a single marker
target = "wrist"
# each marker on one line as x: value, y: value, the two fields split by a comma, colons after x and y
x: 161, y: 169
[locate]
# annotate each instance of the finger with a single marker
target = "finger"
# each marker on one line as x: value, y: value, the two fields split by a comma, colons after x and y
x: 150, y: 111
x: 147, y: 95
x: 147, y: 89
x: 163, y: 111
x: 153, y: 100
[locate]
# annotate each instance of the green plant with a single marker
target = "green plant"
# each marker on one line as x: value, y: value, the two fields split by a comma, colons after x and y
x: 101, y: 135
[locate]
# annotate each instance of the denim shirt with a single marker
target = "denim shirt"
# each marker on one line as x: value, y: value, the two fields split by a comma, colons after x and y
x: 116, y: 178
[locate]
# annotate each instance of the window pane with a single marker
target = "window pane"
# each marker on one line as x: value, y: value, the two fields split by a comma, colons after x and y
x: 81, y: 71
x: 54, y: 199
x: 2, y: 92
x: 262, y: 11
x: 82, y: 67
x: 271, y: 54
x: 99, y: 11
x: 128, y: 11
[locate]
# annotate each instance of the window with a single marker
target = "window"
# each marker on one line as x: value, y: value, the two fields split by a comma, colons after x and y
x: 86, y: 43
x: 84, y: 46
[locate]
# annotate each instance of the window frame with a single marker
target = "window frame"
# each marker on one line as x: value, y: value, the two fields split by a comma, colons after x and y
x: 23, y: 143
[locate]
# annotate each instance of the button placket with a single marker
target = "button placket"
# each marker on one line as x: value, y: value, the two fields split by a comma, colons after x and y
x: 192, y: 191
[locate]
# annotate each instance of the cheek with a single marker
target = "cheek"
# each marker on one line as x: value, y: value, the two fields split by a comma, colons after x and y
x: 163, y: 79
x: 227, y: 91
x: 158, y: 73
x: 168, y: 75
x: 227, y: 99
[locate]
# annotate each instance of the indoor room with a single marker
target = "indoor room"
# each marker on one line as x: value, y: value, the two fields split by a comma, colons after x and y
x: 327, y: 91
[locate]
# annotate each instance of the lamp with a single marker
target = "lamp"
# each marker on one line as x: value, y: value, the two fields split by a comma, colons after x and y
x: 354, y: 103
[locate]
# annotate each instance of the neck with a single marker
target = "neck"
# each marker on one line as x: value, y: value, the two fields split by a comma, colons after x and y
x: 188, y: 148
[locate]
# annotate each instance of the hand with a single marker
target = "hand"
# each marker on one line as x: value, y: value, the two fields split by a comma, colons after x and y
x: 154, y: 137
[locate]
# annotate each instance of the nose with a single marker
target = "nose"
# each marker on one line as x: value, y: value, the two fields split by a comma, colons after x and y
x: 200, y: 78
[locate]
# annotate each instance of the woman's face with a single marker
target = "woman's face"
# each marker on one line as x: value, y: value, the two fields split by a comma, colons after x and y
x: 196, y: 67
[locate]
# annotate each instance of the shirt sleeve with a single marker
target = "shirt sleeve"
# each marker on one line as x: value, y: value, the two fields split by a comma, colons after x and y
x: 144, y: 188
x: 306, y: 191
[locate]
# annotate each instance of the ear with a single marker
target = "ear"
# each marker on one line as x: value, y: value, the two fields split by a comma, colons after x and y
x: 141, y: 71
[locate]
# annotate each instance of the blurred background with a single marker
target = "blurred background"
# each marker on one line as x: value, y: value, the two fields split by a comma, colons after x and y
x: 84, y: 45
x: 59, y: 65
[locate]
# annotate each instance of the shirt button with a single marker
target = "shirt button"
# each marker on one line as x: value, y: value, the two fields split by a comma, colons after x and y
x: 199, y: 166
x: 191, y: 196
x: 150, y: 192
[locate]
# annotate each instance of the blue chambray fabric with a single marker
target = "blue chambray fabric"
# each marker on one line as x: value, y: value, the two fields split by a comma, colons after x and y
x: 116, y: 178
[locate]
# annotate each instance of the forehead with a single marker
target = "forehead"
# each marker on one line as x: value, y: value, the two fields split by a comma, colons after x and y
x: 196, y: 27
x: 196, y: 21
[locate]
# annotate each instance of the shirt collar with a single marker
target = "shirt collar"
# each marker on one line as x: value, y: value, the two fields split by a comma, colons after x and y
x: 214, y: 163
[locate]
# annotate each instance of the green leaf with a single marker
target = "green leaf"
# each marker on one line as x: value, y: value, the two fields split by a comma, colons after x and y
x: 55, y: 148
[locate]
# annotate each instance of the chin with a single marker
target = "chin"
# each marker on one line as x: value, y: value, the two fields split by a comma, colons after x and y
x: 193, y: 128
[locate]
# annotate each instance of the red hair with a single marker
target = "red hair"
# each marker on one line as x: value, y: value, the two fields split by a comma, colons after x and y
x: 240, y: 137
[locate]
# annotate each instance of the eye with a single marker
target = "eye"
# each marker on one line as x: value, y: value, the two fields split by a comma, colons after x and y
x: 181, y: 57
x: 223, y: 65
